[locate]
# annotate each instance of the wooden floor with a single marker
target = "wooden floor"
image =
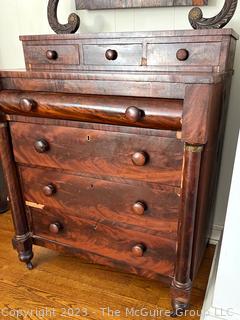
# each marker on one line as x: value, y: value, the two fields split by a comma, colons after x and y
x: 66, y: 286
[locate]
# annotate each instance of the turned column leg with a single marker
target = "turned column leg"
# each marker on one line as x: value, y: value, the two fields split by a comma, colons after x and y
x: 4, y: 205
x: 182, y: 284
x: 22, y: 241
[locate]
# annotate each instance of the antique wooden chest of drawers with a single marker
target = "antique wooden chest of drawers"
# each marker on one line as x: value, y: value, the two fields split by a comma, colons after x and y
x: 111, y: 145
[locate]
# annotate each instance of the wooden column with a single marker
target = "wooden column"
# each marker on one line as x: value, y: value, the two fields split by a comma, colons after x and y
x: 4, y: 205
x: 22, y: 241
x: 182, y: 284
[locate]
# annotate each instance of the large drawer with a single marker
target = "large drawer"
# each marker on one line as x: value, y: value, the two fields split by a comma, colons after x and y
x: 99, y: 152
x: 140, y: 205
x: 138, y: 112
x: 137, y: 249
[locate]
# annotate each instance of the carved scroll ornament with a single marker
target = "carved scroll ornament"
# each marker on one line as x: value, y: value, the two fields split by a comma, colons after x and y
x: 219, y: 21
x: 70, y: 27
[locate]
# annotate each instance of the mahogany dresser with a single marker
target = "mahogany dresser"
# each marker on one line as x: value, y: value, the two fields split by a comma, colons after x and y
x: 111, y: 145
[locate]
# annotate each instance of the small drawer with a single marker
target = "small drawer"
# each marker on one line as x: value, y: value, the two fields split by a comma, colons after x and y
x: 137, y: 204
x: 133, y: 248
x: 183, y: 54
x: 110, y: 54
x: 165, y: 114
x: 99, y: 152
x: 52, y: 55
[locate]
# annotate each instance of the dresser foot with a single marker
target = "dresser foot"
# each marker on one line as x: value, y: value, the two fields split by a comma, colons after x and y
x: 179, y: 309
x: 29, y: 265
x: 26, y: 257
x: 23, y: 245
x: 181, y: 293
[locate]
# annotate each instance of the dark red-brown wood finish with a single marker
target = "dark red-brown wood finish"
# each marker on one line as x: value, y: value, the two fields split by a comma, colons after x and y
x: 111, y: 145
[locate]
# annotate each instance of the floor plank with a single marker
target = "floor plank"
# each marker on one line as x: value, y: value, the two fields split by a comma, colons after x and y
x: 65, y: 287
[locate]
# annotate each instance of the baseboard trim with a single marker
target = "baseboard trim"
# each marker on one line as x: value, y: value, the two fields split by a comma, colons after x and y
x: 215, y: 234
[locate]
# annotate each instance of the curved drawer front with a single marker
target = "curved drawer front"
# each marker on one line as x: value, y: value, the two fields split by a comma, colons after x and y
x: 138, y: 112
x: 129, y: 247
x: 99, y: 153
x: 136, y: 204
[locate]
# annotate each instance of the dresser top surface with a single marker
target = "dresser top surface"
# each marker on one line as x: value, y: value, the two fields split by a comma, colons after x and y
x: 139, y: 34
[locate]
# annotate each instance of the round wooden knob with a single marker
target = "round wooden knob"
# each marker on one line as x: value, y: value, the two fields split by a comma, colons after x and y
x: 138, y: 250
x: 133, y: 114
x: 111, y: 54
x: 49, y: 190
x: 182, y: 54
x: 55, y: 227
x: 139, y: 158
x: 41, y: 146
x: 51, y: 55
x: 139, y: 208
x: 26, y: 105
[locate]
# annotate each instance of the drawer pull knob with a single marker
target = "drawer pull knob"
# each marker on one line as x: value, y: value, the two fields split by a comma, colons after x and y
x: 55, y: 227
x: 138, y: 250
x: 49, y: 190
x: 139, y: 158
x: 133, y: 114
x: 139, y: 208
x: 26, y: 105
x: 51, y: 55
x: 182, y: 54
x: 111, y: 54
x: 41, y: 146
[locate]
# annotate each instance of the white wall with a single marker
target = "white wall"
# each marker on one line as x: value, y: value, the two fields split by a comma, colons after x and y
x: 29, y: 17
x: 222, y: 297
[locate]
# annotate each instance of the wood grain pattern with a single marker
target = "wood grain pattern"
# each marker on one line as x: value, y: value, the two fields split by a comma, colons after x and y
x: 154, y: 113
x: 102, y: 200
x: 22, y: 241
x: 211, y: 159
x: 4, y: 203
x: 64, y: 55
x: 141, y: 52
x: 91, y: 126
x: 110, y: 141
x: 9, y: 169
x: 158, y: 54
x: 106, y: 4
x: 99, y: 152
x: 200, y: 97
x: 182, y: 282
x: 113, y: 242
x: 43, y: 287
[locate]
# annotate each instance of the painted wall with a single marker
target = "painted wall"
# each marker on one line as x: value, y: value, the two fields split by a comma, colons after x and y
x: 29, y: 17
x: 222, y: 296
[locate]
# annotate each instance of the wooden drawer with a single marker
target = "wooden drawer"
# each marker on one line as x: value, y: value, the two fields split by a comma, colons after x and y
x: 183, y: 54
x: 115, y: 242
x: 138, y: 204
x: 130, y: 52
x: 138, y: 112
x: 99, y: 152
x: 112, y: 54
x: 56, y: 56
